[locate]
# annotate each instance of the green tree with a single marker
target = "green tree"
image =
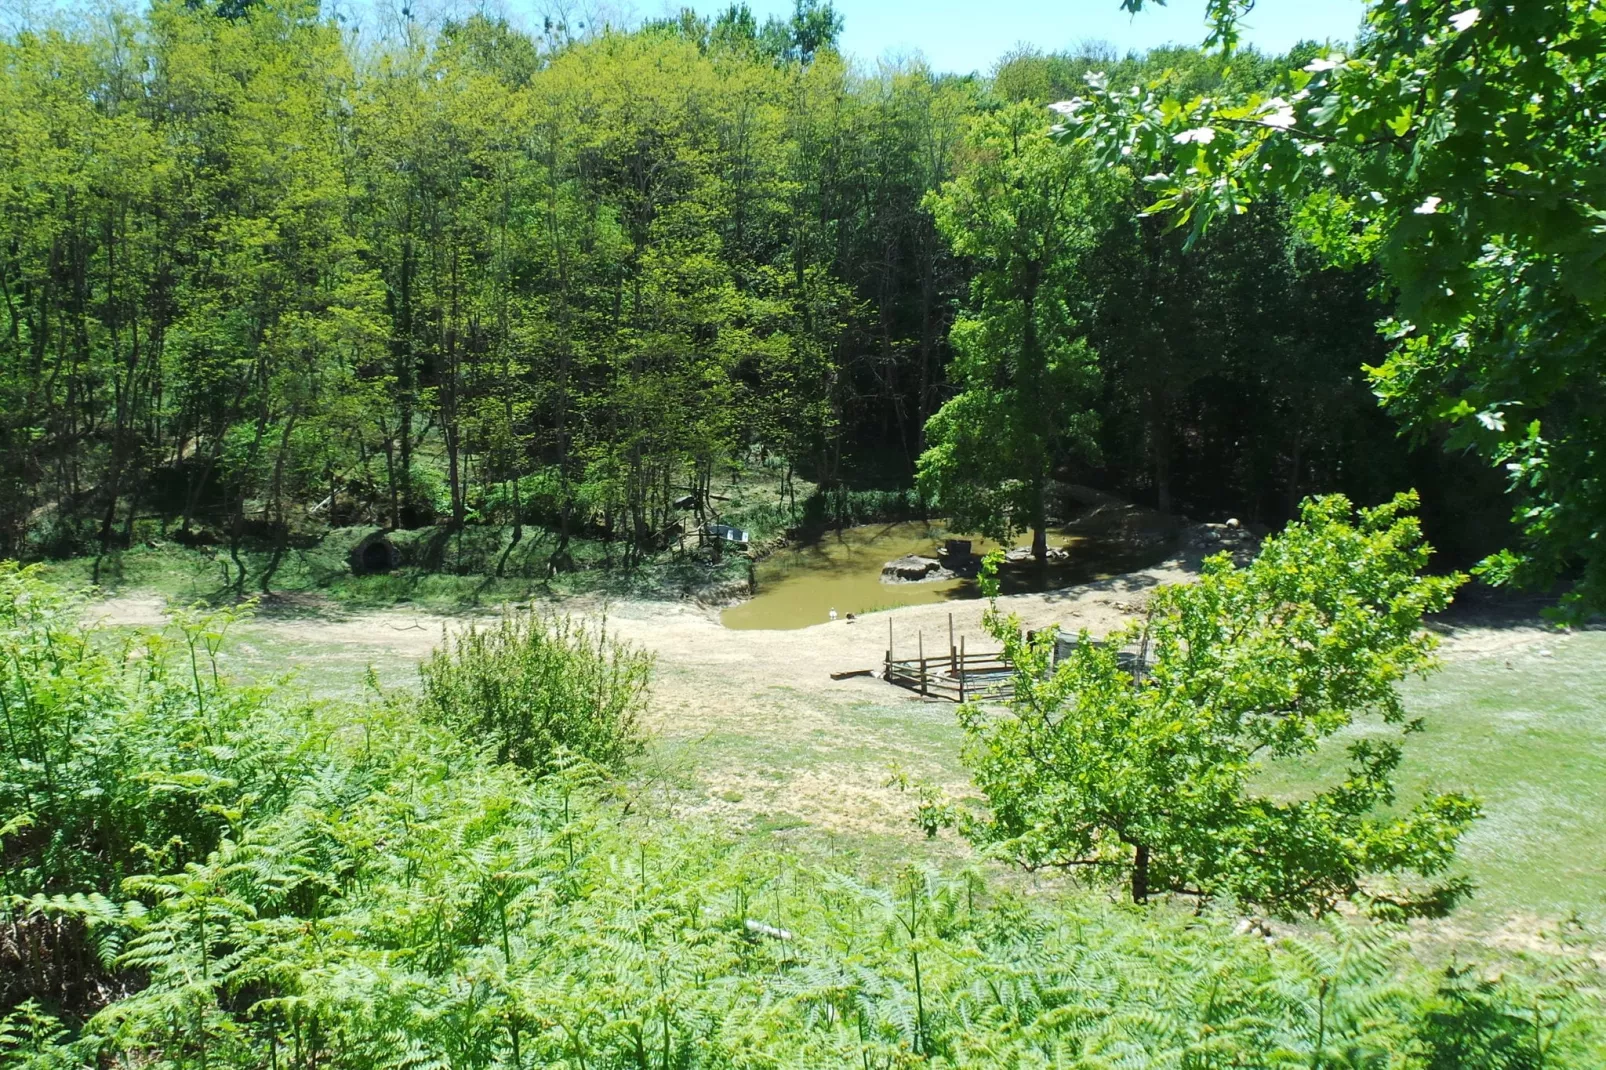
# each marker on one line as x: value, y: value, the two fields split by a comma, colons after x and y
x: 1459, y: 147
x: 1157, y: 769
x: 1024, y: 213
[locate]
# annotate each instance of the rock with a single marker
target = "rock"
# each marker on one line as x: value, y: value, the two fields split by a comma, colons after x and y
x: 1020, y: 555
x: 1213, y: 536
x: 1253, y: 926
x: 913, y: 569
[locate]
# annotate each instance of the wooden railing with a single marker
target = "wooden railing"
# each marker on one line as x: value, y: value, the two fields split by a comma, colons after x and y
x: 962, y: 677
x: 957, y: 675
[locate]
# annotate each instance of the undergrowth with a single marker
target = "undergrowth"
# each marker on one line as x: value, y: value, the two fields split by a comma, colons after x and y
x: 210, y: 873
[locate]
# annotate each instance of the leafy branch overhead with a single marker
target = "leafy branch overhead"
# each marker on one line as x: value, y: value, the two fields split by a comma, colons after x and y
x: 1459, y: 147
x: 1159, y: 775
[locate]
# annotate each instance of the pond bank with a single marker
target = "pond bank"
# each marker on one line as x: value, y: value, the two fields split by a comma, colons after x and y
x: 798, y: 585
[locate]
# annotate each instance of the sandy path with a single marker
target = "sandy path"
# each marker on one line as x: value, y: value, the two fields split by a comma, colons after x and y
x: 710, y: 665
x: 750, y: 722
x: 710, y: 677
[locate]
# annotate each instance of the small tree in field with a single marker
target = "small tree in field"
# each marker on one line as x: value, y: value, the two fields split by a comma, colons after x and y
x: 1157, y: 778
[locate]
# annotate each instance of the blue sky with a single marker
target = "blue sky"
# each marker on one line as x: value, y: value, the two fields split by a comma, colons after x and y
x: 969, y: 35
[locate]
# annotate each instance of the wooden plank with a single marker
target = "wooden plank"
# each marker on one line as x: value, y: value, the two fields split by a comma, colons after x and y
x: 920, y: 640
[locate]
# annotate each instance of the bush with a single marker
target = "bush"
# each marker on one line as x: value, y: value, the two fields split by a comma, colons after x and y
x: 840, y: 507
x: 116, y: 761
x: 538, y: 688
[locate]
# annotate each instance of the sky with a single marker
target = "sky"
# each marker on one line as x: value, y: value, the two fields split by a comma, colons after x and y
x: 961, y: 36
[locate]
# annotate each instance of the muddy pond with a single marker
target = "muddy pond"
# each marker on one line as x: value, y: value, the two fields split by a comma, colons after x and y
x: 800, y: 585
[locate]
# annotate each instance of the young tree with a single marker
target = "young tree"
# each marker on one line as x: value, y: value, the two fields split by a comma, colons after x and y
x: 1159, y: 774
x: 1023, y: 212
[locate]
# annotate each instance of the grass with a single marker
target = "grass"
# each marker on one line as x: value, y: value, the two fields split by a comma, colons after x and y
x: 1518, y: 717
x: 464, y: 580
x: 480, y: 565
x: 1522, y: 725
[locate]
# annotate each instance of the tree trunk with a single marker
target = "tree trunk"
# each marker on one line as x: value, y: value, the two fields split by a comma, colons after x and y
x: 1040, y: 524
x: 1140, y: 875
x: 1160, y: 443
x: 1293, y: 475
x: 281, y: 532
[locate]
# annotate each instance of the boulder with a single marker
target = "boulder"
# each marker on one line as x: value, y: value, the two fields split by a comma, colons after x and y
x: 913, y: 569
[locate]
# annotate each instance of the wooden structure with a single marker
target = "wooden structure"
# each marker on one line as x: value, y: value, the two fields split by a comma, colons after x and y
x: 725, y: 533
x: 958, y: 675
x: 959, y: 678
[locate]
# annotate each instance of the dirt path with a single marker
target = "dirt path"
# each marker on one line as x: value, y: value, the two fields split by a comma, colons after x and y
x: 711, y: 666
x: 750, y: 723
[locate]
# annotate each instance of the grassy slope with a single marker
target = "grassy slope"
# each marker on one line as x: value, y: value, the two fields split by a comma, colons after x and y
x: 1528, y: 733
x: 1528, y: 739
x: 1525, y: 731
x: 479, y: 567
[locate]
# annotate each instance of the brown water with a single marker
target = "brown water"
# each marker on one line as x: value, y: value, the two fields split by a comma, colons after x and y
x: 800, y: 586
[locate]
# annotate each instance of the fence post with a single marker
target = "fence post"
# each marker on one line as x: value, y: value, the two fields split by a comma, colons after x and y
x: 961, y: 670
x: 920, y: 640
x: 950, y: 642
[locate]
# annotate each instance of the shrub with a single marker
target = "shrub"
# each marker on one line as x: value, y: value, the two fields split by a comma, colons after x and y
x: 1155, y: 775
x: 538, y: 687
x: 840, y: 507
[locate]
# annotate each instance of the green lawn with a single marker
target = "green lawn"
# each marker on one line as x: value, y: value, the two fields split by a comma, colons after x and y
x: 1526, y: 733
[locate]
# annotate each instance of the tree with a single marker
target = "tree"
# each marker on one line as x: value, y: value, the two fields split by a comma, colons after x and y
x: 1158, y: 772
x: 1459, y: 148
x: 1023, y: 212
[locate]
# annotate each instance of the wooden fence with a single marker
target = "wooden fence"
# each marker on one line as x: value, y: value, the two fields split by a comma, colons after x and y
x: 961, y: 677
x: 958, y: 675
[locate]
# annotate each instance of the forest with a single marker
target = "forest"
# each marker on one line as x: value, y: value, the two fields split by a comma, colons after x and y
x: 1297, y: 769
x: 265, y: 277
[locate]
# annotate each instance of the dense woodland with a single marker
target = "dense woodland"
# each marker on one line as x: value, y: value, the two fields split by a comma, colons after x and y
x: 264, y: 276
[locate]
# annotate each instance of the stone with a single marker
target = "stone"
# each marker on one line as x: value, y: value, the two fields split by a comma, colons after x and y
x: 912, y: 569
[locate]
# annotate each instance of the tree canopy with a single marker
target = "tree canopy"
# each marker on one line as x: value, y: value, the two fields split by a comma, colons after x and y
x: 267, y: 279
x: 1458, y: 148
x: 1025, y: 215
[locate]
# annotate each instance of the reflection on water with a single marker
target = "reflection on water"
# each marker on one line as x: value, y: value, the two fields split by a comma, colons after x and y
x: 800, y: 586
